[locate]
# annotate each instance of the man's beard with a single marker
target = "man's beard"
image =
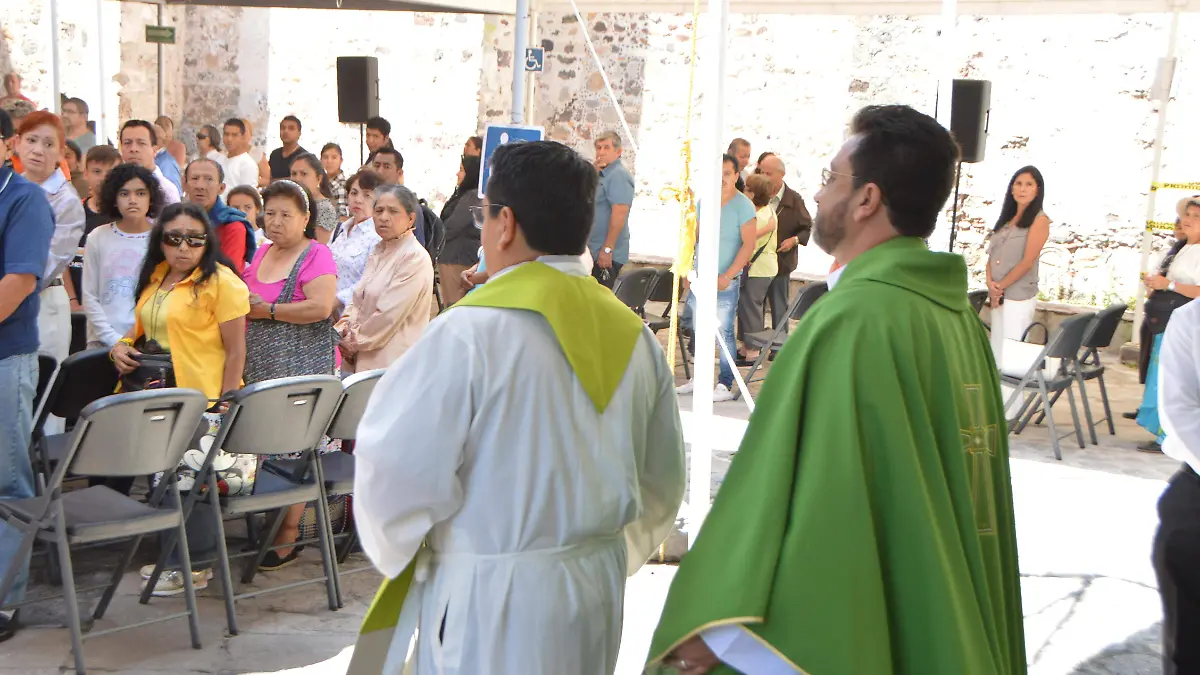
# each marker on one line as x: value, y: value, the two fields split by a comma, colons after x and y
x: 829, y: 226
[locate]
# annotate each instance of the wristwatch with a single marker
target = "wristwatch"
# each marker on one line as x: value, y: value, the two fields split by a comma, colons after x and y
x: 608, y: 250
x: 1171, y: 287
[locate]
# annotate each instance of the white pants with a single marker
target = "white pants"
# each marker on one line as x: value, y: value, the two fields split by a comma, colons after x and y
x: 1009, y: 322
x: 54, y: 335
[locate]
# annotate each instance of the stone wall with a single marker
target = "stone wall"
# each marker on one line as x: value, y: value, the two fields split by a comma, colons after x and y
x: 1070, y: 95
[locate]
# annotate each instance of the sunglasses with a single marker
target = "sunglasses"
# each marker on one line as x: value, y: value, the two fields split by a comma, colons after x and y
x: 177, y: 240
x: 201, y: 137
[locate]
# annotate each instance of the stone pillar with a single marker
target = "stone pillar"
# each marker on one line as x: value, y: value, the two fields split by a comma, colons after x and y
x: 138, y: 76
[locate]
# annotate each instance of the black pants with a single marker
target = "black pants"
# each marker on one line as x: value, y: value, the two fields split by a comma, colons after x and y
x: 777, y: 299
x: 607, y: 277
x: 1177, y: 565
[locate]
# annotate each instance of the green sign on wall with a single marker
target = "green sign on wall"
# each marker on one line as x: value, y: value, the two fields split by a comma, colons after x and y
x: 160, y: 34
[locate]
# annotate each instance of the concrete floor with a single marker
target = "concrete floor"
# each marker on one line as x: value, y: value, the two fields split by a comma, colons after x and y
x: 1084, y: 528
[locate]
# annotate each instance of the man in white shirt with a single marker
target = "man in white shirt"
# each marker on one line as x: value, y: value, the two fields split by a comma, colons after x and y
x: 533, y: 502
x: 240, y: 168
x: 1177, y: 543
x: 139, y: 145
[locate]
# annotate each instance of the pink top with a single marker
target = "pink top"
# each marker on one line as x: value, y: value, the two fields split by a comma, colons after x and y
x: 318, y: 263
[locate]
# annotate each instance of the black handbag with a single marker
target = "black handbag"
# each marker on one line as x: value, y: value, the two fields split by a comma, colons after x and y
x: 154, y: 371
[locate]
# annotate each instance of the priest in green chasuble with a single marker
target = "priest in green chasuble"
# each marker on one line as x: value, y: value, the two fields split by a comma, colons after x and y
x: 865, y: 526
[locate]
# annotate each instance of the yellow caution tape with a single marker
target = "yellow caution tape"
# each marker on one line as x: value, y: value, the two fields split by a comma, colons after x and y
x: 1152, y: 225
x: 1194, y: 187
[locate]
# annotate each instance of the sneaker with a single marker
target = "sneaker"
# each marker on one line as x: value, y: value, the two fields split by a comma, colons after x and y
x: 1150, y: 448
x: 273, y: 562
x: 171, y: 582
x: 685, y: 389
x: 1130, y: 415
x: 722, y: 393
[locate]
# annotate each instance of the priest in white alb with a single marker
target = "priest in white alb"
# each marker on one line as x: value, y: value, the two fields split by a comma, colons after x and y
x: 523, y: 458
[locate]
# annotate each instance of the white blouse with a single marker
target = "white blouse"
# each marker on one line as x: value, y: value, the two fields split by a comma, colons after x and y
x: 1185, y: 268
x: 350, y: 253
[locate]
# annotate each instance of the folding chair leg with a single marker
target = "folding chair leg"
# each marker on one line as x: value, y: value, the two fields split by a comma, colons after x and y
x: 1032, y: 407
x: 118, y: 573
x: 324, y: 532
x: 683, y: 354
x: 69, y: 598
x: 1075, y: 418
x: 348, y: 545
x: 1108, y: 416
x: 1045, y: 395
x: 223, y: 556
x: 252, y: 564
x: 185, y: 564
x: 10, y: 576
x: 754, y: 368
x: 1053, y: 400
x: 1087, y: 408
x: 319, y: 471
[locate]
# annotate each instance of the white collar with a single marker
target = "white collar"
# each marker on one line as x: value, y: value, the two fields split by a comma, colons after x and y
x: 55, y: 182
x: 779, y: 195
x: 832, y: 279
x: 567, y: 264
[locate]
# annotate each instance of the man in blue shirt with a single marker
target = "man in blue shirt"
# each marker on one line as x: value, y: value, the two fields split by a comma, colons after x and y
x: 26, y: 224
x: 609, y: 240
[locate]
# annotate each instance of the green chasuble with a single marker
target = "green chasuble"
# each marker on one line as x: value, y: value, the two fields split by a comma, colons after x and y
x: 866, y: 524
x: 597, y: 334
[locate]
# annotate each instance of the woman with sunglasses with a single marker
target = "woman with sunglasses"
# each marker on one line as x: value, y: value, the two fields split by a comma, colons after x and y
x: 208, y: 143
x: 390, y: 305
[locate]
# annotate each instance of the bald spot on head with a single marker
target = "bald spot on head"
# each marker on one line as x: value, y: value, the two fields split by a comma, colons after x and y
x: 773, y: 164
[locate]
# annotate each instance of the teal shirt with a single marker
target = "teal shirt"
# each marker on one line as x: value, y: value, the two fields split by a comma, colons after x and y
x: 616, y: 187
x: 733, y: 214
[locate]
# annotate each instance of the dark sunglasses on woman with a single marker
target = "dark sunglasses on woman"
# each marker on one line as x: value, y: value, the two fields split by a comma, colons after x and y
x: 178, y: 239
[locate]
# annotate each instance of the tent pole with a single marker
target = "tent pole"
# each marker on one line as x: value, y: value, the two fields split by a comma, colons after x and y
x: 102, y: 125
x: 520, y: 42
x: 705, y: 284
x: 1155, y: 167
x: 55, y: 105
x: 161, y: 67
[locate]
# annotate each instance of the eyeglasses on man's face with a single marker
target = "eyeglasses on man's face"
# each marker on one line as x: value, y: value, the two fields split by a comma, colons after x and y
x: 828, y: 174
x: 478, y: 213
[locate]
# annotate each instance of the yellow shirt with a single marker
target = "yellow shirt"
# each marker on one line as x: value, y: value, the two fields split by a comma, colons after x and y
x: 193, y: 315
x: 767, y: 263
x: 154, y: 318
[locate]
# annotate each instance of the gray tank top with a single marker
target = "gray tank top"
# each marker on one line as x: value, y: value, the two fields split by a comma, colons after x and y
x: 1004, y: 253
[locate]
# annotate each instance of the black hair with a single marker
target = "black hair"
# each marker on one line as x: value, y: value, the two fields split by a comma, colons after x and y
x: 214, y: 136
x: 220, y: 169
x: 470, y: 167
x: 761, y: 158
x: 293, y: 118
x: 1009, y: 210
x: 118, y: 177
x: 554, y: 222
x: 381, y: 125
x: 911, y: 158
x: 366, y: 179
x: 79, y: 103
x: 315, y: 164
x: 332, y: 146
x: 235, y: 122
x: 6, y: 125
x: 727, y: 158
x: 299, y: 195
x: 74, y: 147
x: 154, y: 254
x: 139, y: 123
x: 388, y: 150
x: 252, y: 193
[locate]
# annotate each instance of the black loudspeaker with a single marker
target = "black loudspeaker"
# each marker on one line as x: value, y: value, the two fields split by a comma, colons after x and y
x: 970, y: 107
x: 358, y: 88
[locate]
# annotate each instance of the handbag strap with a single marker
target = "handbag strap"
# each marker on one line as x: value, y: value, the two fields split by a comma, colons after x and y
x: 289, y: 286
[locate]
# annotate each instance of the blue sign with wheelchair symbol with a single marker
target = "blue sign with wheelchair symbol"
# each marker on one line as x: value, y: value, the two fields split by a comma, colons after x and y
x: 535, y: 59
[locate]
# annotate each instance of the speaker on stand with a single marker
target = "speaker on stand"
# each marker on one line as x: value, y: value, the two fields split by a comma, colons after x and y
x: 358, y: 93
x: 970, y: 110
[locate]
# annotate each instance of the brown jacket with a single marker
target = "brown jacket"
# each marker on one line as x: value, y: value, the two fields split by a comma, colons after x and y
x: 793, y: 221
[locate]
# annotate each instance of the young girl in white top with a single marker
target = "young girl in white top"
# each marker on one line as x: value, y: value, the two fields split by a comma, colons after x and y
x: 114, y: 253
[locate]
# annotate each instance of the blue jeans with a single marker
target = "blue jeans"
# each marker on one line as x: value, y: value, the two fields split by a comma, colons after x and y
x: 727, y: 303
x: 18, y: 382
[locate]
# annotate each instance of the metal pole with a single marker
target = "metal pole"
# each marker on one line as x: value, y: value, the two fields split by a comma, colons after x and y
x: 520, y: 42
x: 945, y: 93
x: 102, y: 123
x: 1155, y: 167
x: 161, y: 67
x: 55, y: 79
x: 604, y: 77
x: 705, y: 284
x: 531, y: 95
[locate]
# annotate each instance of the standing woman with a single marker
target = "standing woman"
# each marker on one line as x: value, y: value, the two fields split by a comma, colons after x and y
x: 246, y: 199
x: 461, y: 250
x: 293, y: 286
x: 354, y: 239
x: 1012, y: 267
x: 208, y: 142
x: 308, y: 171
x: 764, y: 263
x: 390, y: 306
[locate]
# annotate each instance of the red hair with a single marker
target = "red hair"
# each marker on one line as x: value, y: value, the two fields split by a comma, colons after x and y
x: 41, y: 118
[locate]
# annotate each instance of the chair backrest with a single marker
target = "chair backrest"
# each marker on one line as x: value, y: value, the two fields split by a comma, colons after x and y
x: 280, y: 416
x: 1104, y: 327
x: 1066, y: 342
x: 47, y: 371
x: 82, y: 378
x: 977, y: 299
x: 660, y: 290
x: 134, y: 434
x: 358, y: 390
x: 633, y: 288
x: 808, y: 296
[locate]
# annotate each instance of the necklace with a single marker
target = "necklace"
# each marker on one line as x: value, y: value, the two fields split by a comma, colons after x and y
x: 157, y: 302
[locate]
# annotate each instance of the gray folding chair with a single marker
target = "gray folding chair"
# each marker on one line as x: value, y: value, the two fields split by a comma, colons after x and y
x: 978, y: 299
x: 771, y: 341
x: 267, y: 419
x: 122, y: 435
x: 1043, y: 378
x: 660, y: 291
x: 633, y: 288
x: 335, y: 470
